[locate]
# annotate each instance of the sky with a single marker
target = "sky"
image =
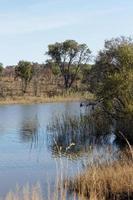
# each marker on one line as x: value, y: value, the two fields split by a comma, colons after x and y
x: 28, y: 26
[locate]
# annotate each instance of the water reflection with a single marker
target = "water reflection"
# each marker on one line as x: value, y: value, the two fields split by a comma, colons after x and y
x: 29, y: 130
x: 78, y: 136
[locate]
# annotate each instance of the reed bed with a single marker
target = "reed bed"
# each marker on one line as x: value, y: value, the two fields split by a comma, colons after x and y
x: 106, y: 181
x: 110, y: 181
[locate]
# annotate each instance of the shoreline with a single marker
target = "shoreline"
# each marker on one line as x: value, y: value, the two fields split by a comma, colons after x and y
x: 44, y: 99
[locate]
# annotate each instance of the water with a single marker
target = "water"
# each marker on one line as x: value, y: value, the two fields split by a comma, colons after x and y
x: 26, y: 154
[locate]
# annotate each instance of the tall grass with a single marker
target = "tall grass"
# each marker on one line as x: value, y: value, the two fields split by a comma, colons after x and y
x: 100, y: 181
x: 26, y: 193
x: 108, y: 181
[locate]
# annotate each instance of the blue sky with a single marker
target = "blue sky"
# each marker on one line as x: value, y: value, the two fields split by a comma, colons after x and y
x: 28, y: 26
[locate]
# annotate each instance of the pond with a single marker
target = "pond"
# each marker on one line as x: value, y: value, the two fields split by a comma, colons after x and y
x: 27, y: 147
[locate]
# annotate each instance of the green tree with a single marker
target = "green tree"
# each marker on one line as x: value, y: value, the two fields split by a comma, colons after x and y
x: 24, y: 70
x: 1, y: 68
x: 36, y: 67
x: 111, y: 80
x: 53, y: 66
x: 69, y: 56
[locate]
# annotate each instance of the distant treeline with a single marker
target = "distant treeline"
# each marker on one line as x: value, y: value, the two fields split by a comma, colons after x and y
x: 36, y: 79
x: 65, y: 69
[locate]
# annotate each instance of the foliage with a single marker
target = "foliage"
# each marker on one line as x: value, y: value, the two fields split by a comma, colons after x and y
x: 69, y: 56
x: 112, y: 77
x: 85, y: 70
x: 24, y: 70
x: 54, y: 67
x: 1, y: 68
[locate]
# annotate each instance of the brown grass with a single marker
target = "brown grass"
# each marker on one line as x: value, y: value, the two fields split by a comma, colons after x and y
x: 26, y: 193
x: 103, y: 182
x: 114, y: 181
x: 34, y: 193
x: 45, y: 99
x: 99, y: 182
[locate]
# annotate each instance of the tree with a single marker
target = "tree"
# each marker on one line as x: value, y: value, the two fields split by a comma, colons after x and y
x: 111, y: 80
x: 24, y: 70
x: 36, y: 75
x: 69, y: 56
x: 1, y: 84
x: 112, y: 75
x: 1, y: 68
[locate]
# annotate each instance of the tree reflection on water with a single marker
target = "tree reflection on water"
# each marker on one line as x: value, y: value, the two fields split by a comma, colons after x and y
x: 75, y: 136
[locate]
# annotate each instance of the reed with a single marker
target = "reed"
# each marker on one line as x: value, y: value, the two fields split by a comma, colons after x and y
x: 106, y: 181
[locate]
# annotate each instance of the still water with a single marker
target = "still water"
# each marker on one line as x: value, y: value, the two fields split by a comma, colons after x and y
x: 26, y: 153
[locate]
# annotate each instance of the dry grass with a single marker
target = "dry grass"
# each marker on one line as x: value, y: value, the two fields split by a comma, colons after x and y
x: 99, y: 182
x: 26, y: 193
x: 34, y: 193
x: 102, y: 182
x: 45, y: 99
